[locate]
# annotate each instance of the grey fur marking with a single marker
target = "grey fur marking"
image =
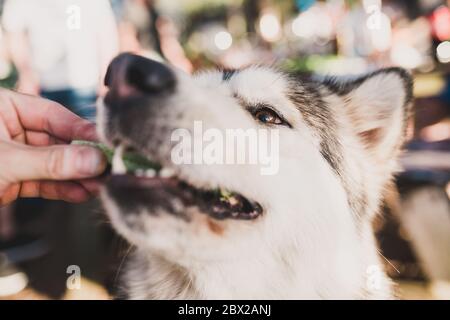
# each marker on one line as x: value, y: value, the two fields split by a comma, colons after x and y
x: 318, y: 116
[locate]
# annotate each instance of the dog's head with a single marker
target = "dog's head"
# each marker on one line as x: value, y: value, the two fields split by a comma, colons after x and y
x: 332, y: 146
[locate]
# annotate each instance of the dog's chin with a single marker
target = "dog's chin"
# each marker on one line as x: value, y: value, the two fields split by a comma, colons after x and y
x: 170, y: 195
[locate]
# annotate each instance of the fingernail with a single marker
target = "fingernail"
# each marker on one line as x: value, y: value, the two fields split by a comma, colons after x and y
x: 89, y: 161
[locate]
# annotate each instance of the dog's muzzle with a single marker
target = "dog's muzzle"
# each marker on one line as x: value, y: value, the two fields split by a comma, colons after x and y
x: 139, y: 94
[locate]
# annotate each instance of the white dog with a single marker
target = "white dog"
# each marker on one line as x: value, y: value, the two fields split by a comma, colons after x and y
x: 302, y: 233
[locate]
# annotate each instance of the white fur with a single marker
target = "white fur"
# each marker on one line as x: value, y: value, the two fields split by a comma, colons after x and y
x: 308, y: 244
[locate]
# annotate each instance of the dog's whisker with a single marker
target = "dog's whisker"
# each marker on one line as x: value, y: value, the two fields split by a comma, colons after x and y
x: 131, y: 247
x: 387, y: 260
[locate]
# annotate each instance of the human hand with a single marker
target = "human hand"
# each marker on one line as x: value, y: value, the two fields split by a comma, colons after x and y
x: 28, y: 84
x: 35, y: 159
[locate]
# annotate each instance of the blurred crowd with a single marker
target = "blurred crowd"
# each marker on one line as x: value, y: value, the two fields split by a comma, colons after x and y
x: 60, y: 49
x: 60, y: 45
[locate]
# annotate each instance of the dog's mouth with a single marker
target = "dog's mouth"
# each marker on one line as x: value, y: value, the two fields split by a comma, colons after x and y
x: 159, y: 189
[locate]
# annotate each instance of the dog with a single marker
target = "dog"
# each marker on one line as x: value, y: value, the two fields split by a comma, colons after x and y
x: 302, y: 233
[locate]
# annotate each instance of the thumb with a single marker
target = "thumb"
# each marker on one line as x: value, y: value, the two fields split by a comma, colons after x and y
x: 58, y: 162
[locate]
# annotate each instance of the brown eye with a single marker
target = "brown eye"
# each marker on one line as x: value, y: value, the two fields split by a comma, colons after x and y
x: 266, y: 115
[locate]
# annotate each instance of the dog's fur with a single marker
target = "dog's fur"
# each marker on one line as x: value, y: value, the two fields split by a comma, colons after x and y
x: 314, y: 239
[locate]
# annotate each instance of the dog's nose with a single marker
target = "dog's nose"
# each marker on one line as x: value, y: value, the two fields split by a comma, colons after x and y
x: 128, y: 71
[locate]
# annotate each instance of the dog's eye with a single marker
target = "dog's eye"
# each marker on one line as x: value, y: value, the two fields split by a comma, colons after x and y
x: 268, y: 116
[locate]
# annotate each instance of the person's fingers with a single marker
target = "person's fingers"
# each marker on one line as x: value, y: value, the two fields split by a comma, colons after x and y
x: 55, y: 190
x: 30, y: 189
x: 41, y: 139
x: 91, y: 185
x: 38, y: 114
x: 67, y: 191
x: 4, y: 133
x: 10, y: 194
x: 58, y: 162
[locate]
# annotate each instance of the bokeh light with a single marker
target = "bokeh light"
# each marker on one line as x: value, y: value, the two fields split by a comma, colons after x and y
x: 223, y: 40
x: 443, y: 52
x: 269, y: 26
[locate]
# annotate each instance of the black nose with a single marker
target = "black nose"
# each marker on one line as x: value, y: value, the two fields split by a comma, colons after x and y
x: 139, y: 73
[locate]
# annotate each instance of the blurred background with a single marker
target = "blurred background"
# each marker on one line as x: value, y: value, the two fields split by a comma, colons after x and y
x: 60, y: 49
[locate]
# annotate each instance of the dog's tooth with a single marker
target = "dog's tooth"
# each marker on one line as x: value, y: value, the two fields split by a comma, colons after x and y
x: 118, y: 166
x: 150, y: 173
x: 233, y: 201
x: 166, y: 173
x: 140, y: 173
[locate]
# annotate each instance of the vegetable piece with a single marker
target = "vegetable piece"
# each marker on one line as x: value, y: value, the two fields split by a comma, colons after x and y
x: 225, y: 195
x: 109, y: 153
x: 133, y: 161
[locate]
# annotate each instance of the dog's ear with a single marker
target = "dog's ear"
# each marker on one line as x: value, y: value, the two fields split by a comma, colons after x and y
x: 378, y: 106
